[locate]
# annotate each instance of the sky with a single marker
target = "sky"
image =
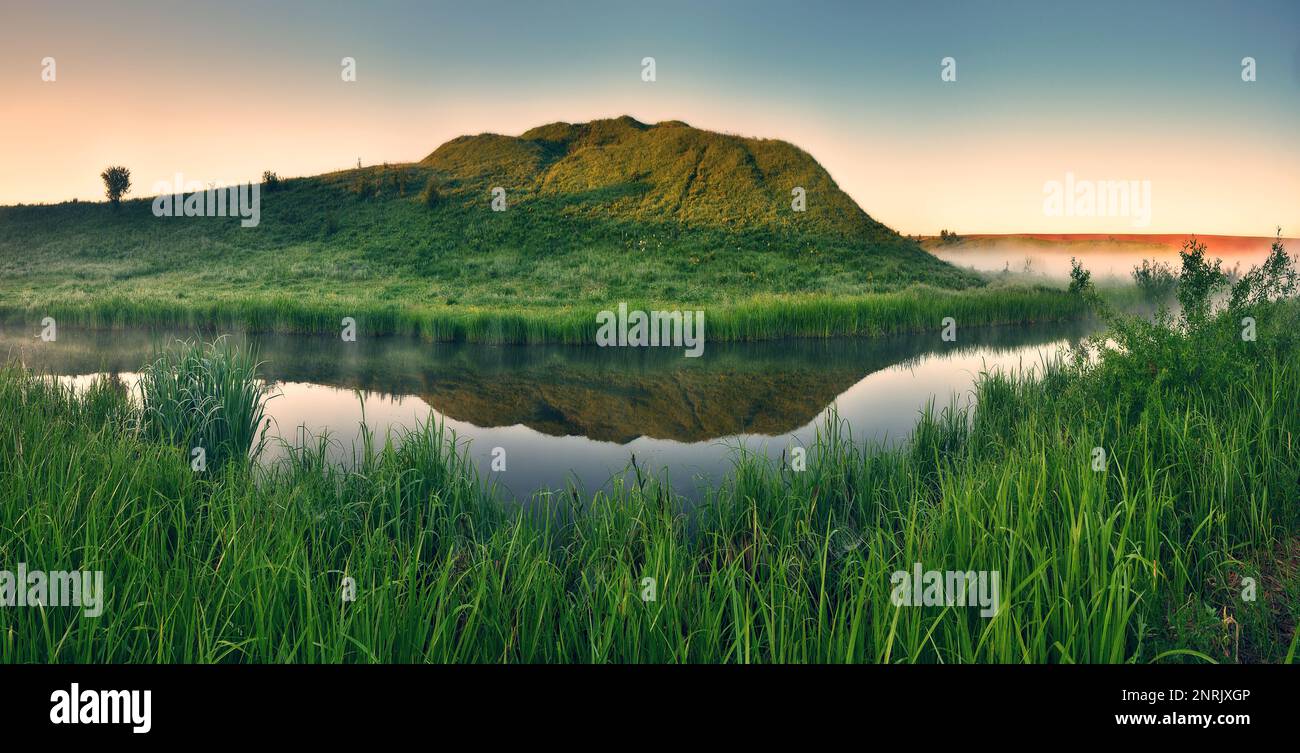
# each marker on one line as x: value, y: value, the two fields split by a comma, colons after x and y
x: 1064, y: 94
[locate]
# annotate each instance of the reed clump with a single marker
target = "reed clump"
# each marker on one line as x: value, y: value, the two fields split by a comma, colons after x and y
x: 205, y: 396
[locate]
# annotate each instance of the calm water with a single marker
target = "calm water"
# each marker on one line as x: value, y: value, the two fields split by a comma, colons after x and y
x: 567, y: 414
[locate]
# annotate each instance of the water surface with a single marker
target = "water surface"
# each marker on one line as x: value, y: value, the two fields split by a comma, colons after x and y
x: 578, y: 415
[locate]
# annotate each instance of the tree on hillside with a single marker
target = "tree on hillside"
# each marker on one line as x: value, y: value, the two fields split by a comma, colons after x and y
x: 117, y: 181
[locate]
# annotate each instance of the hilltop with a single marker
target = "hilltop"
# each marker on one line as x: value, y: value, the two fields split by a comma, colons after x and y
x: 661, y: 215
x: 651, y: 173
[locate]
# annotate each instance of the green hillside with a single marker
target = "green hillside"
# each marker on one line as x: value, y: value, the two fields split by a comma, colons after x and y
x: 614, y: 210
x: 633, y: 171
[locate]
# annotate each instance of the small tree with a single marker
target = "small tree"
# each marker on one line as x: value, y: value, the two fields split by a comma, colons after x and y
x: 117, y: 182
x: 1080, y: 278
x: 1155, y: 279
x: 271, y: 180
x: 1276, y: 278
x: 1197, y: 283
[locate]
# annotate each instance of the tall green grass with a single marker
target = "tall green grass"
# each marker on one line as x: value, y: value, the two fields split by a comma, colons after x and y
x: 1143, y: 561
x: 915, y: 309
x: 205, y: 396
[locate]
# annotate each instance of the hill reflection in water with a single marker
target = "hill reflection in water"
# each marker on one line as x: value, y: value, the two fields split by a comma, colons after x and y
x: 577, y: 414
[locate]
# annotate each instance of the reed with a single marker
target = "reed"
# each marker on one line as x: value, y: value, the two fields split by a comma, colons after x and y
x: 914, y: 309
x: 205, y: 396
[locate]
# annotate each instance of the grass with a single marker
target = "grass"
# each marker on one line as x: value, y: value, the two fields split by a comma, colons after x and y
x: 1145, y: 561
x: 758, y: 318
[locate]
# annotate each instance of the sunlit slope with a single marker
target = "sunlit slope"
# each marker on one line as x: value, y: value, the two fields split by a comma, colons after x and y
x: 594, y: 213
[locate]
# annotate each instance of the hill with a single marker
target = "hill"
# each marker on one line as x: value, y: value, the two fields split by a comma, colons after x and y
x: 661, y: 215
x: 670, y: 171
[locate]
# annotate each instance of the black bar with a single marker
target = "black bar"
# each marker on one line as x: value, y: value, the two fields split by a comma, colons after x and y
x: 370, y: 703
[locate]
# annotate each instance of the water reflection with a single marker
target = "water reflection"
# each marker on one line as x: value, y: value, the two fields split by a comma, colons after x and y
x: 577, y: 414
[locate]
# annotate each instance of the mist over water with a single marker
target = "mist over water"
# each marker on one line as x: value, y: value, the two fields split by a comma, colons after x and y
x: 1107, y: 260
x: 566, y: 414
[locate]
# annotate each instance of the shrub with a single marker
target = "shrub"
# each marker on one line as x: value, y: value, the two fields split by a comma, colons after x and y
x: 1080, y: 278
x: 1197, y: 283
x: 270, y: 180
x: 1199, y: 349
x: 1275, y: 278
x: 1156, y: 280
x: 431, y: 196
x: 117, y: 182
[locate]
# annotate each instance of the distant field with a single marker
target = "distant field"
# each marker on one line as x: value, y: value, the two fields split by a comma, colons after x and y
x: 1045, y: 257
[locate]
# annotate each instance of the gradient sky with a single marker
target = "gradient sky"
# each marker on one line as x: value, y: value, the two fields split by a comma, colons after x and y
x: 1105, y: 90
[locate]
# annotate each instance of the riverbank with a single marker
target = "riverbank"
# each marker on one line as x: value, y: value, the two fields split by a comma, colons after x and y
x: 915, y: 309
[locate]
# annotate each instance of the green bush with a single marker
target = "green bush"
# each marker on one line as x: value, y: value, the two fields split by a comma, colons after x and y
x: 1276, y: 278
x: 1080, y: 278
x: 1155, y: 280
x: 1202, y: 347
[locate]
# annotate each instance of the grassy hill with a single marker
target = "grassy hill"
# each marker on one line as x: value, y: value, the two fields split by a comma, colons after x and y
x: 668, y: 172
x: 659, y: 216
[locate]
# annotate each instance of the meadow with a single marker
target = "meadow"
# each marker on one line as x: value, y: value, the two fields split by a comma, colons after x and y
x: 662, y: 217
x: 753, y: 285
x: 1183, y: 546
x: 540, y: 293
